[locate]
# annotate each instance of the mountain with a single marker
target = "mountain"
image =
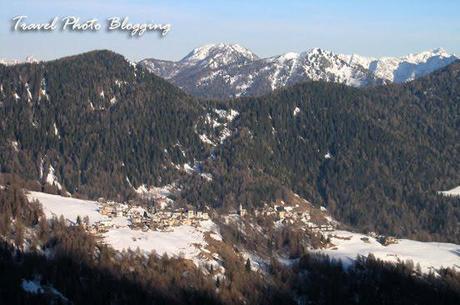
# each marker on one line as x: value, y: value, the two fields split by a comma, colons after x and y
x: 96, y: 125
x: 9, y: 62
x: 79, y: 122
x: 224, y: 71
x: 403, y: 69
x: 361, y: 153
x: 282, y: 179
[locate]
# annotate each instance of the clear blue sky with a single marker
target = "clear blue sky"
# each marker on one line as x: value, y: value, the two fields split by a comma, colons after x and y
x: 367, y: 27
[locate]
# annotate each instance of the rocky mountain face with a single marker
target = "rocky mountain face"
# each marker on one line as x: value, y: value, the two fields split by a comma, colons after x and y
x: 403, y: 69
x: 225, y: 71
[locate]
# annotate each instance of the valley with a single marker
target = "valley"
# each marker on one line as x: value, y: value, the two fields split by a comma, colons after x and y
x: 186, y: 237
x: 254, y: 199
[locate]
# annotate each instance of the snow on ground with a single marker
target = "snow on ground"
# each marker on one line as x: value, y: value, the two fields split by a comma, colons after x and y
x: 204, y: 138
x: 228, y: 115
x: 296, y: 111
x: 159, y: 193
x: 56, y: 131
x: 33, y: 287
x: 70, y: 208
x: 172, y: 243
x: 183, y: 241
x: 15, y: 145
x: 196, y: 168
x: 189, y: 241
x: 455, y: 192
x: 51, y: 178
x: 430, y: 255
x: 257, y: 263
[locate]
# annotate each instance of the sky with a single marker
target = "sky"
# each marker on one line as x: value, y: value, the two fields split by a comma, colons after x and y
x: 267, y: 27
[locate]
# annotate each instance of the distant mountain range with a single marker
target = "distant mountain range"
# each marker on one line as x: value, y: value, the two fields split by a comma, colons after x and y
x: 9, y: 62
x: 221, y: 71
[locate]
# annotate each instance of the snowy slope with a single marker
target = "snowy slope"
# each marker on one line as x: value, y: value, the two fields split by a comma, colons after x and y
x: 406, y: 68
x: 455, y: 192
x: 201, y: 61
x: 430, y: 255
x: 185, y: 241
x: 225, y: 71
x: 218, y: 55
x: 70, y: 208
x: 190, y: 242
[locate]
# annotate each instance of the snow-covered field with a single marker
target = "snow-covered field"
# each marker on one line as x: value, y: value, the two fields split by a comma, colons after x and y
x: 189, y: 241
x: 70, y: 208
x: 455, y: 192
x: 184, y: 241
x: 430, y: 255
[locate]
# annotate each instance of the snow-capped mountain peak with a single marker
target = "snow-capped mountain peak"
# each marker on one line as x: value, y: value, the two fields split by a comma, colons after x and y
x: 424, y: 56
x: 404, y: 68
x: 287, y: 56
x: 230, y: 70
x: 215, y: 55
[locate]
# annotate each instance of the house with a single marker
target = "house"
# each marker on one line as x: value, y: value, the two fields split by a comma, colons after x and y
x: 118, y: 211
x: 281, y: 214
x: 241, y: 211
x: 106, y: 210
x: 388, y: 240
x: 105, y: 223
x: 136, y: 219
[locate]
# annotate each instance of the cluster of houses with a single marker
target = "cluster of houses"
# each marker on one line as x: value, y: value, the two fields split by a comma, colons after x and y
x: 289, y: 214
x: 138, y: 217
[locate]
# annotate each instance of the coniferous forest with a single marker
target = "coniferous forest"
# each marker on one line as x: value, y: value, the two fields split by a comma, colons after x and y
x: 376, y: 158
x: 393, y: 147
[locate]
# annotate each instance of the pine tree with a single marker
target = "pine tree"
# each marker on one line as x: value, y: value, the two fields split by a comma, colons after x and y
x: 248, y: 265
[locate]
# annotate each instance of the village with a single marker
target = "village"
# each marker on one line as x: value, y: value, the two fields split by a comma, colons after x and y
x: 286, y: 214
x: 139, y: 218
x: 160, y: 216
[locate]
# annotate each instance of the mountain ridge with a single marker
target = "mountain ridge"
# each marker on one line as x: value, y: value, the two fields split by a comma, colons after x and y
x: 220, y: 74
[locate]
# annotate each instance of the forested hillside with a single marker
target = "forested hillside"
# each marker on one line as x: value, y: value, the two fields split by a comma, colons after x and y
x: 96, y: 125
x: 375, y: 158
x: 45, y: 261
